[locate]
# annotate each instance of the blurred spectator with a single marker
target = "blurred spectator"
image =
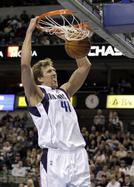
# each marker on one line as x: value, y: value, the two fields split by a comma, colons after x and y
x: 6, y: 147
x: 122, y: 167
x: 131, y: 172
x: 129, y: 157
x: 24, y: 16
x: 100, y: 157
x: 99, y: 120
x: 92, y: 146
x: 104, y: 173
x: 30, y: 183
x: 19, y: 170
x: 115, y: 124
x: 127, y: 182
x: 124, y: 86
x: 3, y: 173
x: 44, y: 40
x: 21, y: 185
x: 16, y: 159
x: 113, y: 182
x: 85, y: 134
x: 121, y: 152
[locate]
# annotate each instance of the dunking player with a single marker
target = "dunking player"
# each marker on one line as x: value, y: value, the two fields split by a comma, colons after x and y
x: 64, y: 162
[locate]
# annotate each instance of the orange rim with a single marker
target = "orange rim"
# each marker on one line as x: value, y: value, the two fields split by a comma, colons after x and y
x: 61, y: 12
x: 55, y: 13
x: 83, y: 26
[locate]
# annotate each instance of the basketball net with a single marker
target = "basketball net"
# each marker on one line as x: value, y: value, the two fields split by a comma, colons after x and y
x: 70, y: 30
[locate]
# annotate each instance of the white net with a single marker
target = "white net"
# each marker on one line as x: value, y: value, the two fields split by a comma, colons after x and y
x: 71, y: 29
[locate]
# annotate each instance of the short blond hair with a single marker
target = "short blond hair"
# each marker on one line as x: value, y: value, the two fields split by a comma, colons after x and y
x: 37, y: 68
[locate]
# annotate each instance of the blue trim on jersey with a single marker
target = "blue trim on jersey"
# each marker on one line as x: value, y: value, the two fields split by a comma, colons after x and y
x: 64, y: 92
x: 44, y: 158
x: 45, y: 100
x: 32, y: 109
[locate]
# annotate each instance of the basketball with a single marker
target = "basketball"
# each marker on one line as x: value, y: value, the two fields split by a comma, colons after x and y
x: 77, y: 49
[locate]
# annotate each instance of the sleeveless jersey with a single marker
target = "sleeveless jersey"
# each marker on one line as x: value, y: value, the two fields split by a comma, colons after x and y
x: 56, y: 121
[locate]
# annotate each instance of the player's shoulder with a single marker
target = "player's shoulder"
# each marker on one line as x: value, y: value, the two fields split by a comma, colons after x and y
x: 44, y: 88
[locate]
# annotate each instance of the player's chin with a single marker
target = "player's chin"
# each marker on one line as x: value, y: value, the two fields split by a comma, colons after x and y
x: 54, y: 86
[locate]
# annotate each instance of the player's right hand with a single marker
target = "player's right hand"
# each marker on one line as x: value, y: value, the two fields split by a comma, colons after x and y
x: 32, y: 24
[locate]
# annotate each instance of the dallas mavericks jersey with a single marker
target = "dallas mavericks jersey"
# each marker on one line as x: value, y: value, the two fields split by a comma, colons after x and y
x: 56, y: 121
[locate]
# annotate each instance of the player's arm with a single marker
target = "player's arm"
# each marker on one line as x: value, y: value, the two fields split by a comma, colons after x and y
x: 78, y: 77
x: 32, y: 91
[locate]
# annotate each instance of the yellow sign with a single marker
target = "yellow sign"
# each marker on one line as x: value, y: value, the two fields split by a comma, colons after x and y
x: 21, y: 101
x: 73, y: 100
x: 120, y: 101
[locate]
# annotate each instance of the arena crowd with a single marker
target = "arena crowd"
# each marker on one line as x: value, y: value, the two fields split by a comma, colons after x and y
x: 110, y: 146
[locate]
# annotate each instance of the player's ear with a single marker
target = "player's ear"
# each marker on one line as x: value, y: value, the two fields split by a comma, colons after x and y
x: 40, y: 79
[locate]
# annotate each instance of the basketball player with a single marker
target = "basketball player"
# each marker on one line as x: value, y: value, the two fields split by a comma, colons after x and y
x: 64, y: 161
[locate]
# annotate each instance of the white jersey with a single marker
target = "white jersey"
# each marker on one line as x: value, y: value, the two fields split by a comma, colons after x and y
x: 56, y: 121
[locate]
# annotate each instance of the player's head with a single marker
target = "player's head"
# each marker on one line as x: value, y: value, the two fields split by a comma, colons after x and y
x: 45, y: 73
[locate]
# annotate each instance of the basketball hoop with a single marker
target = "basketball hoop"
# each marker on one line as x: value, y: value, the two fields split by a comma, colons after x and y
x: 63, y: 23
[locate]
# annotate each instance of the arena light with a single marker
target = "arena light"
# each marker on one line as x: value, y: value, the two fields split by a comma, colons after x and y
x: 20, y: 85
x: 12, y: 51
x: 120, y: 102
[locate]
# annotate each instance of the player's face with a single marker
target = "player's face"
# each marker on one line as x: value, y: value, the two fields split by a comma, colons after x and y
x: 49, y: 77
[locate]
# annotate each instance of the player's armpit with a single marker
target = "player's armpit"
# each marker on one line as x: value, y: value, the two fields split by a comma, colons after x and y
x: 34, y: 100
x: 35, y: 97
x: 65, y: 87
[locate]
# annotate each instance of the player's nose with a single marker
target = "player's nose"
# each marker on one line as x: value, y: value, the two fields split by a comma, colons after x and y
x: 54, y: 73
